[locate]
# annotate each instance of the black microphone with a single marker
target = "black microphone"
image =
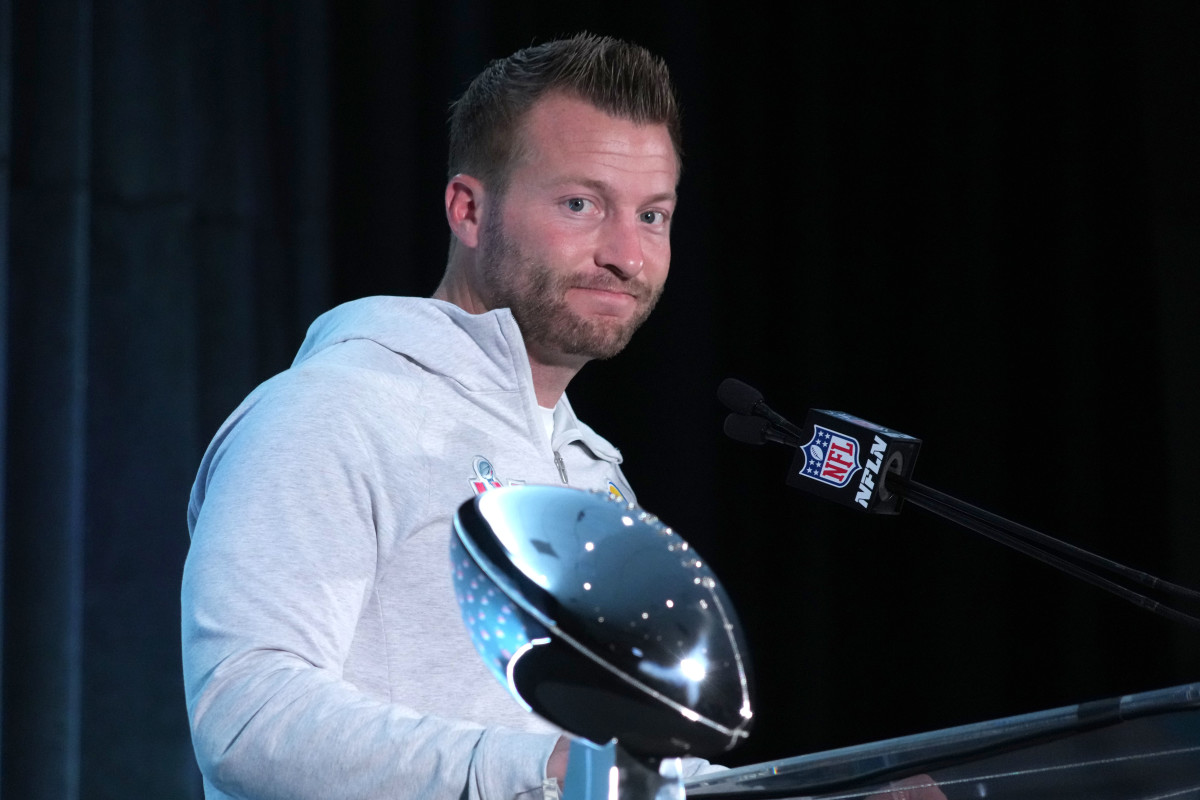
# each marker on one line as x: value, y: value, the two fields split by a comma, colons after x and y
x: 742, y: 398
x: 747, y: 430
x: 739, y: 397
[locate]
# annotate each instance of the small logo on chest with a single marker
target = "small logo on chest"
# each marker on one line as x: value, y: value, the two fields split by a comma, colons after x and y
x: 485, y: 476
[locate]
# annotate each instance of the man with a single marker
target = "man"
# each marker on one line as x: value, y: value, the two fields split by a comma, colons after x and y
x: 324, y: 655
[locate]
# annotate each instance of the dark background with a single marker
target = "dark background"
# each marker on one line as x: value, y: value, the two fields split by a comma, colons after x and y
x: 975, y: 222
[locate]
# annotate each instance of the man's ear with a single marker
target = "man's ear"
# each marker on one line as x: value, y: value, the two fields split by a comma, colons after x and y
x: 464, y: 208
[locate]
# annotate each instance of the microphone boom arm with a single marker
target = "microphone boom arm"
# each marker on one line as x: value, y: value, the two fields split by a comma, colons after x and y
x: 826, y: 463
x: 1038, y: 545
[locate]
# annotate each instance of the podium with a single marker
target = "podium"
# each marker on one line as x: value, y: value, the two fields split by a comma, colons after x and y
x: 1138, y: 746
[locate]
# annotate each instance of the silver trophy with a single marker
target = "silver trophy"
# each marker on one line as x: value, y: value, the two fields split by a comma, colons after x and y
x: 605, y: 622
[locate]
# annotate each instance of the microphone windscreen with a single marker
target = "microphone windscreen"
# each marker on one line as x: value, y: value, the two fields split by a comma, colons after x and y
x: 748, y: 430
x: 738, y: 397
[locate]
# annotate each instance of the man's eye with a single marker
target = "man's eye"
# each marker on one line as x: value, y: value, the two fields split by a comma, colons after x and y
x: 654, y: 217
x: 577, y: 204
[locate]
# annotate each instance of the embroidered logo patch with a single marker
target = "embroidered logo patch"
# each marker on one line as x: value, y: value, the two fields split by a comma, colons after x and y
x: 830, y: 457
x: 614, y: 492
x: 485, y: 476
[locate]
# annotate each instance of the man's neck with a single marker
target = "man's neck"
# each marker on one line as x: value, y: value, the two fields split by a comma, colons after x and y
x: 549, y: 383
x: 551, y: 376
x: 551, y: 372
x: 459, y: 293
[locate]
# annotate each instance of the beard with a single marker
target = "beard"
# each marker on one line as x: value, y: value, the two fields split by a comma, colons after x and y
x: 537, y: 297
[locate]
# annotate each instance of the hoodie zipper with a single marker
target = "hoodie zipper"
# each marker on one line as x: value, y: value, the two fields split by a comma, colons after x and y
x: 562, y: 467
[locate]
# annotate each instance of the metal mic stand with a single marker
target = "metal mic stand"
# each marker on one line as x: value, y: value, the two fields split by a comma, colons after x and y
x: 1062, y: 555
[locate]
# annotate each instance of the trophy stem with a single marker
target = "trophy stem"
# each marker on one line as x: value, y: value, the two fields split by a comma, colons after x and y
x: 610, y: 772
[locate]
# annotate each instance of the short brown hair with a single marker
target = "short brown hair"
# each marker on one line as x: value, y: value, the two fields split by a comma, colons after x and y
x: 622, y: 79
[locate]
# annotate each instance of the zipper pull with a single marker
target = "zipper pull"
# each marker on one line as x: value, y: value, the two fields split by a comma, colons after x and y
x: 562, y: 467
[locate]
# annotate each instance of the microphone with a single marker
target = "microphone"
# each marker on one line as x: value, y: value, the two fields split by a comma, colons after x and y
x: 747, y: 430
x: 741, y: 398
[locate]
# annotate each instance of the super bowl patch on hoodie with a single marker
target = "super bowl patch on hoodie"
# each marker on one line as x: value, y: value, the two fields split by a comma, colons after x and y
x: 485, y: 476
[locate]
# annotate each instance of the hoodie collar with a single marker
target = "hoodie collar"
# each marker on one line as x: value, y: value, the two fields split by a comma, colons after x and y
x: 481, y: 352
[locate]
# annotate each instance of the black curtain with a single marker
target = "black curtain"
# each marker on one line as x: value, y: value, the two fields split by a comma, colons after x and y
x: 975, y: 222
x: 167, y: 179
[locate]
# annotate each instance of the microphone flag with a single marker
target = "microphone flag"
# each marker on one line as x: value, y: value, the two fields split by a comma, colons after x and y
x: 845, y: 458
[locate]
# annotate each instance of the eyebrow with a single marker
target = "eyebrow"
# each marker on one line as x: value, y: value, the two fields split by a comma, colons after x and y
x: 606, y: 188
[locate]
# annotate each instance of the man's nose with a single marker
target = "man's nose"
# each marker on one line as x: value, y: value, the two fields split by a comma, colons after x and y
x: 620, y: 248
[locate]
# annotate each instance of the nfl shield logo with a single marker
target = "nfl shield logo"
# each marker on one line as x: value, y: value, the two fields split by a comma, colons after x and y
x: 830, y: 457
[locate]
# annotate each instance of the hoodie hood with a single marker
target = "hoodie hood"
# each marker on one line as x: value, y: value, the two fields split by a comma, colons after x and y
x: 481, y: 352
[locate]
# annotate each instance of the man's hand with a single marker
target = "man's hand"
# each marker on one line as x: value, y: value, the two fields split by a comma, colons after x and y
x: 556, y: 766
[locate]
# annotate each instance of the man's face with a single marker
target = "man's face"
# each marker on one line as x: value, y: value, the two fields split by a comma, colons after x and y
x: 580, y: 246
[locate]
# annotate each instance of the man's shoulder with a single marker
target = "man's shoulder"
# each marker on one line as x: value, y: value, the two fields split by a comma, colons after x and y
x: 482, y: 352
x: 351, y: 382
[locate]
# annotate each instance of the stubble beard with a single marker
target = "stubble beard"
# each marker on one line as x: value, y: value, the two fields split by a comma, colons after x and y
x: 536, y: 295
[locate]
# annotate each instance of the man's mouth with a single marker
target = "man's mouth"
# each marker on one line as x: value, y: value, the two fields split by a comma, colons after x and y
x: 635, y: 291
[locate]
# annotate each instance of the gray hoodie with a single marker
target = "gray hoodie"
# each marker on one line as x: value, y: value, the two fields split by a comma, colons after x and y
x: 324, y: 652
